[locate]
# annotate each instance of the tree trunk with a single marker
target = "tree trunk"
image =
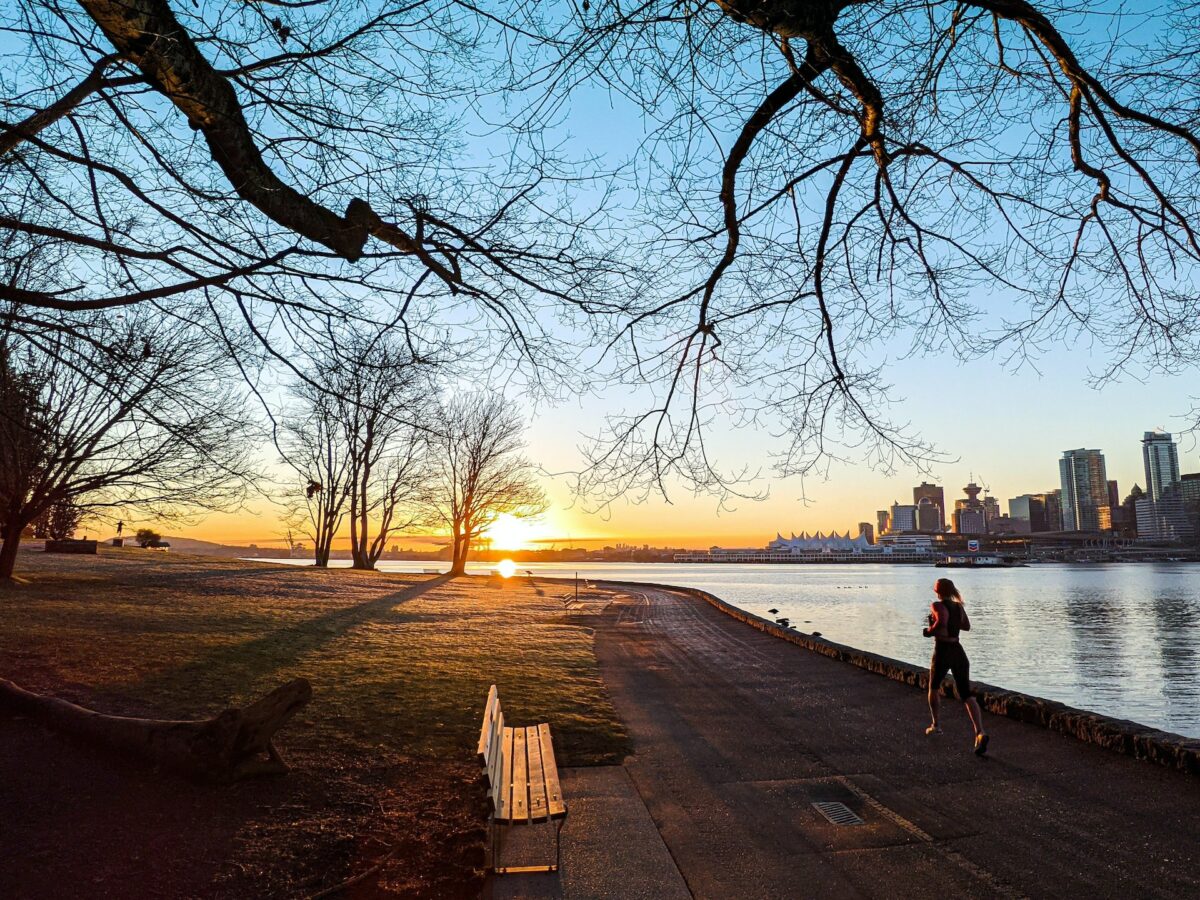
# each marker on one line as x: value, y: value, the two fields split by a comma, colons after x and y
x: 226, y: 748
x: 8, y: 551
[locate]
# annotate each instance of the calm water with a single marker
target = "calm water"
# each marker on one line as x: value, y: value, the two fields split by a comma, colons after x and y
x: 1120, y: 639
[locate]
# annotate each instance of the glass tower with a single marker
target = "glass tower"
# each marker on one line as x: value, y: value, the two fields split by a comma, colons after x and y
x: 1084, y: 491
x: 1161, y: 458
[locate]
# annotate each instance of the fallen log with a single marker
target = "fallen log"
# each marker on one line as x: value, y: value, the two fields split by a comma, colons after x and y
x: 226, y: 748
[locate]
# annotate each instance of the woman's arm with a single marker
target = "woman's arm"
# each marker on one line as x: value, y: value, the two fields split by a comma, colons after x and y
x: 939, y: 620
x: 965, y: 622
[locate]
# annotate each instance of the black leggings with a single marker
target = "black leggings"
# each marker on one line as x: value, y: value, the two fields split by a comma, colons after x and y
x: 950, y: 657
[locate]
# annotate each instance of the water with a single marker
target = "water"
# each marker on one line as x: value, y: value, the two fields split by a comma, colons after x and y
x: 1118, y: 639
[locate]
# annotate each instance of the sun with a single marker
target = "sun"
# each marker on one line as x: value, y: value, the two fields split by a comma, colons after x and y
x: 510, y: 533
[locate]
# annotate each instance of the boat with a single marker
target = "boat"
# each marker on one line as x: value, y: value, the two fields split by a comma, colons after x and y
x: 977, y: 561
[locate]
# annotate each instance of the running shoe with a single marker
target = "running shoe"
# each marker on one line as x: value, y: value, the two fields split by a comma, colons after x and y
x: 981, y: 742
x: 933, y: 729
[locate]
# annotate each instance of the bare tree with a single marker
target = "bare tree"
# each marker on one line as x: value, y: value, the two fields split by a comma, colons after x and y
x: 136, y: 411
x: 311, y: 444
x: 478, y: 470
x: 838, y: 183
x: 296, y: 163
x: 357, y: 441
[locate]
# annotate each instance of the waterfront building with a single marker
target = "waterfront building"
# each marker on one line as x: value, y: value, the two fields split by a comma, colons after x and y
x: 867, y: 531
x: 1084, y: 491
x: 1030, y: 508
x: 1161, y: 459
x: 970, y: 516
x: 1053, y: 501
x: 930, y: 516
x: 903, y: 518
x: 1006, y: 524
x: 1166, y: 519
x: 934, y: 494
x: 991, y: 509
x: 883, y: 522
x: 822, y: 548
x: 1189, y: 488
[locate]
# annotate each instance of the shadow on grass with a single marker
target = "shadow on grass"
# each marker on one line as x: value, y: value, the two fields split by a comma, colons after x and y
x: 236, y: 667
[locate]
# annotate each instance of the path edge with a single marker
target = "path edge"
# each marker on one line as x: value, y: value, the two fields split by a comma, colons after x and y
x: 1164, y: 748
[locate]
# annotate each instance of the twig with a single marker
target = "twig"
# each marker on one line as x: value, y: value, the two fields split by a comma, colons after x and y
x: 361, y: 876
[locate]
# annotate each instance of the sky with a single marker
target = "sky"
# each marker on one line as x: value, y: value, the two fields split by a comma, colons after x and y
x: 1004, y: 429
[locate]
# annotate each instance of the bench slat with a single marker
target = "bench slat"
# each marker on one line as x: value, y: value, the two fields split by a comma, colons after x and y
x: 504, y: 780
x: 520, y: 777
x: 487, y: 732
x: 554, y: 797
x: 539, y: 807
x: 494, y: 769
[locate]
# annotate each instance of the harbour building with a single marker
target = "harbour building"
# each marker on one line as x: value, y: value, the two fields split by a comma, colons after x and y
x: 1160, y: 455
x: 970, y: 516
x: 1162, y: 515
x: 904, y: 518
x: 1030, y: 508
x: 1084, y: 491
x: 934, y: 494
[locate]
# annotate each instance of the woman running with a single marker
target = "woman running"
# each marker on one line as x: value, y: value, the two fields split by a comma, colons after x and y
x: 947, y: 618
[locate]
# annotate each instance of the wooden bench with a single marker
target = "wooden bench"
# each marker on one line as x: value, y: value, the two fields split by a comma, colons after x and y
x: 522, y: 780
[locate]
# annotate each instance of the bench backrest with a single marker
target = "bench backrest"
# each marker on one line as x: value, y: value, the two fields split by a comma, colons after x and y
x: 491, y: 738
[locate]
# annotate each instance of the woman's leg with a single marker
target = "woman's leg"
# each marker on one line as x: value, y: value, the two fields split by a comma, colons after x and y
x: 962, y: 684
x: 937, y: 672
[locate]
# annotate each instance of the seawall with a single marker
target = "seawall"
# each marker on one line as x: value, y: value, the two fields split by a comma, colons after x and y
x: 1120, y: 735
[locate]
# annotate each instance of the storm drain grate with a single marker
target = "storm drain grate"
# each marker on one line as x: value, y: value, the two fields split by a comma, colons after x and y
x: 838, y: 813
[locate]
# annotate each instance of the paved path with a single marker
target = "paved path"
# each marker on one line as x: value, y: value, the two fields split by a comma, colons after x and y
x: 737, y: 733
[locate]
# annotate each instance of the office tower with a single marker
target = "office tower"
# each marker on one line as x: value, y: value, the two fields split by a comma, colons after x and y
x: 1168, y: 519
x: 934, y: 494
x: 929, y: 516
x: 866, y: 530
x: 883, y: 521
x: 970, y: 517
x: 1084, y: 491
x: 1161, y: 458
x: 904, y: 517
x: 1032, y: 509
x: 1114, y: 494
x: 1053, y: 501
x: 991, y: 507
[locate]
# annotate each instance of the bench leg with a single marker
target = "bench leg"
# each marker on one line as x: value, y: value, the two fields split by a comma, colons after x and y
x: 515, y: 870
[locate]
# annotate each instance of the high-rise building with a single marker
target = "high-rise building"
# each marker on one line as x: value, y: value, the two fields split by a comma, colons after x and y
x: 934, y: 494
x: 1167, y: 519
x: 1161, y: 458
x: 883, y: 522
x: 1114, y: 494
x: 929, y: 516
x: 969, y: 514
x: 865, y: 529
x: 1030, y: 508
x: 904, y: 517
x: 1054, y: 516
x: 1084, y: 491
x: 991, y: 507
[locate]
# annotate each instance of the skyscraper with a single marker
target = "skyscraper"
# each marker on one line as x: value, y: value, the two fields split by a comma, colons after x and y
x: 1161, y: 458
x: 969, y: 515
x: 904, y: 517
x: 883, y: 522
x: 934, y: 494
x: 1084, y: 491
x: 1030, y: 508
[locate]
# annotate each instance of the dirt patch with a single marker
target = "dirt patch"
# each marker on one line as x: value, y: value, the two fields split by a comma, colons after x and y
x: 383, y: 757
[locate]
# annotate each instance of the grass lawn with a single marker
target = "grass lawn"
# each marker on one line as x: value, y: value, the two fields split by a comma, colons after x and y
x: 383, y: 756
